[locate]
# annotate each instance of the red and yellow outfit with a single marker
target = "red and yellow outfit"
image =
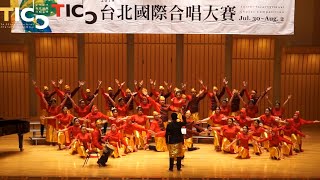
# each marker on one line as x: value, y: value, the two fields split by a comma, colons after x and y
x: 122, y: 110
x: 277, y: 111
x: 94, y: 116
x: 141, y: 120
x: 257, y: 132
x: 225, y: 110
x: 116, y: 140
x: 64, y: 121
x: 229, y: 133
x: 159, y: 137
x: 268, y: 120
x: 82, y: 112
x: 96, y: 141
x: 243, y: 149
x: 51, y: 125
x: 291, y: 133
x: 82, y: 144
x: 251, y: 110
x: 275, y: 141
x: 43, y: 104
x: 216, y: 120
x: 129, y: 130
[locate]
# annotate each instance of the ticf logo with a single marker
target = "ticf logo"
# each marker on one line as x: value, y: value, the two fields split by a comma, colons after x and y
x: 22, y: 14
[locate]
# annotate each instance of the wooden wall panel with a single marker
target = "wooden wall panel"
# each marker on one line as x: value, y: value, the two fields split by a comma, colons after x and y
x: 253, y: 61
x: 105, y: 60
x: 155, y: 58
x: 300, y: 76
x: 14, y: 82
x: 204, y: 58
x: 56, y: 57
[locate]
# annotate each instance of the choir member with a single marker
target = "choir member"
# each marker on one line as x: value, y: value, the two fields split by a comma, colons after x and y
x: 278, y: 110
x: 115, y: 138
x: 109, y: 104
x: 161, y: 108
x: 188, y: 140
x: 296, y: 121
x: 129, y: 129
x: 235, y: 102
x: 82, y: 142
x: 93, y: 116
x: 161, y: 91
x: 257, y: 131
x: 82, y: 109
x: 142, y: 120
x: 193, y: 102
x: 87, y: 96
x: 253, y: 94
x: 158, y: 130
x: 215, y: 96
x: 242, y: 119
x: 51, y: 128
x: 277, y: 147
x: 122, y: 107
x: 229, y: 133
x: 243, y: 138
x: 291, y: 133
x: 47, y: 97
x: 216, y: 120
x: 62, y: 94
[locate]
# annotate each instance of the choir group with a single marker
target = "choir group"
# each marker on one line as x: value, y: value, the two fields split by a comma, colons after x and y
x: 233, y: 127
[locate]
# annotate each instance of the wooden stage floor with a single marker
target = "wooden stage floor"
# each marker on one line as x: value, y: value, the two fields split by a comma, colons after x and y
x: 42, y: 161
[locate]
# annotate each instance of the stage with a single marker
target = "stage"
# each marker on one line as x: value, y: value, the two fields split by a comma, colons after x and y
x: 43, y: 162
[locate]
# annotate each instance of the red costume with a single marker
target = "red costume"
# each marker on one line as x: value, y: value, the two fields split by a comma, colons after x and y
x: 74, y: 131
x: 82, y: 112
x: 64, y: 119
x: 244, y: 140
x: 225, y: 110
x: 94, y: 116
x: 139, y: 119
x: 96, y: 138
x: 256, y: 131
x: 230, y: 132
x: 268, y: 120
x: 251, y: 111
x: 277, y: 112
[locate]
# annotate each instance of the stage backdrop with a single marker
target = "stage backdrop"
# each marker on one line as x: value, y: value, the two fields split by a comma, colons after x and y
x: 264, y: 17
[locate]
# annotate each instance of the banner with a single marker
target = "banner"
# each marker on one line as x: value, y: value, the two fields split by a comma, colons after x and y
x: 257, y: 17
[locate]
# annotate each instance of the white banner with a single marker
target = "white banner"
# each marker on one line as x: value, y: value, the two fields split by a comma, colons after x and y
x: 259, y: 17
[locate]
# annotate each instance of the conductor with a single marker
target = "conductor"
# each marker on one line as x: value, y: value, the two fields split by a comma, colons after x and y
x: 174, y: 140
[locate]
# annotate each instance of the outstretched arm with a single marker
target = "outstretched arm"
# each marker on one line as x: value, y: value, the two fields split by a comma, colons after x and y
x: 289, y: 97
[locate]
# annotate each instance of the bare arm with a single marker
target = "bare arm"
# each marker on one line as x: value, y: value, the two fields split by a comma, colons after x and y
x: 289, y: 97
x: 270, y: 103
x: 110, y: 99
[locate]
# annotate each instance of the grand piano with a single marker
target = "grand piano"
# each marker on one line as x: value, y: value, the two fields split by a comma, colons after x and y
x: 15, y: 126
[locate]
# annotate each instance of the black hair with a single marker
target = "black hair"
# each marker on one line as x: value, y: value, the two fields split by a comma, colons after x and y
x: 174, y: 116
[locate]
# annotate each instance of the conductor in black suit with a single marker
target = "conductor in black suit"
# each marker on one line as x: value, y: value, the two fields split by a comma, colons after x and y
x: 174, y: 140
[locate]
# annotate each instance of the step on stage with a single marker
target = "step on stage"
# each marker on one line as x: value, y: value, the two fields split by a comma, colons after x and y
x: 46, y: 162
